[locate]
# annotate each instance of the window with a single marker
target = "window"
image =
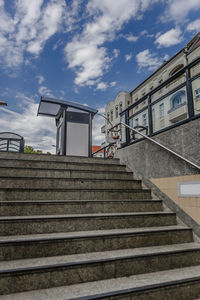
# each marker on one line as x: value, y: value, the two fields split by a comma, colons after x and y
x: 120, y: 107
x: 153, y: 114
x: 136, y: 122
x: 108, y: 117
x: 161, y: 110
x: 197, y: 93
x: 111, y: 116
x: 177, y: 99
x: 116, y: 112
x: 144, y: 120
x: 176, y: 69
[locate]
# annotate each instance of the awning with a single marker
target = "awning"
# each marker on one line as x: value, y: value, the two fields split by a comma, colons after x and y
x: 52, y: 107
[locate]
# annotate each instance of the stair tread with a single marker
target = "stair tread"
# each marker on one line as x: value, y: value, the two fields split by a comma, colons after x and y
x: 65, y: 179
x: 13, y: 218
x: 64, y: 169
x: 54, y: 261
x: 83, y: 160
x: 76, y: 201
x: 109, y: 286
x: 82, y: 234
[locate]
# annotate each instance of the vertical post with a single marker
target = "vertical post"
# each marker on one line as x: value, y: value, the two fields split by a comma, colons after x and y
x: 64, y: 146
x: 90, y: 136
x: 104, y: 152
x: 127, y: 129
x: 150, y: 116
x: 190, y: 102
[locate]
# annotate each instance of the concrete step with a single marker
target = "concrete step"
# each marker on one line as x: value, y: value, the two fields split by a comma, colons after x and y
x: 63, y: 173
x: 32, y: 274
x: 68, y: 183
x: 54, y: 244
x: 28, y: 208
x: 67, y: 223
x: 57, y: 164
x: 45, y: 157
x: 176, y: 284
x: 12, y: 194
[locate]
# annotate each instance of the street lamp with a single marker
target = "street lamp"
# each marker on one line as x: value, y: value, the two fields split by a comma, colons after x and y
x: 3, y: 103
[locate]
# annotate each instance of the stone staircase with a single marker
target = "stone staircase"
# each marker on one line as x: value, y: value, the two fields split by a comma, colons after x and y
x: 79, y: 228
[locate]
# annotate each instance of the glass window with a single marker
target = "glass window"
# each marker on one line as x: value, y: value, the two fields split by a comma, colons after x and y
x: 170, y: 110
x: 153, y: 114
x: 196, y: 95
x: 120, y: 107
x: 140, y: 119
x: 116, y: 111
x: 111, y: 116
x: 144, y: 119
x: 178, y: 99
x: 161, y: 110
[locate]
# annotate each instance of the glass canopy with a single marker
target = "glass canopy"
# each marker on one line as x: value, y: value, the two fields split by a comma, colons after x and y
x: 52, y: 107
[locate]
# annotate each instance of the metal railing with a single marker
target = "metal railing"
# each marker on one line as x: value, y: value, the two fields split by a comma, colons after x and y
x: 146, y: 137
x: 11, y: 143
x: 161, y: 145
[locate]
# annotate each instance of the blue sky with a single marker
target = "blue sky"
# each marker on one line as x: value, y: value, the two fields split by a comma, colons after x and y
x: 83, y: 51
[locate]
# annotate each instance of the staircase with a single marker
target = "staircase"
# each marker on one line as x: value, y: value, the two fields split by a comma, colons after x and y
x: 79, y: 228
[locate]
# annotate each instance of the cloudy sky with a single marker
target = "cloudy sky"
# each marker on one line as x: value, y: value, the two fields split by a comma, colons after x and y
x: 83, y: 51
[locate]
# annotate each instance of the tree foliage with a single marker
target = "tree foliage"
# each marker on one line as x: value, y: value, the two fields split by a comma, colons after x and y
x: 30, y: 149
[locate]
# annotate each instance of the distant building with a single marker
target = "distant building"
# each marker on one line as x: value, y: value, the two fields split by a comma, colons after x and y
x: 163, y: 96
x: 100, y: 153
x: 3, y: 103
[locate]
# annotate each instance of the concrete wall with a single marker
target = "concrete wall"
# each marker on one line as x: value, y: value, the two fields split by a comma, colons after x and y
x: 148, y: 160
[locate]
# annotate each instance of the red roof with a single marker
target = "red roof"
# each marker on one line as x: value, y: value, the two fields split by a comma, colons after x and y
x: 95, y: 148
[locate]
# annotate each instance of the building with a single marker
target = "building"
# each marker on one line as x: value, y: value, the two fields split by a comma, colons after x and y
x: 98, y: 154
x: 167, y: 97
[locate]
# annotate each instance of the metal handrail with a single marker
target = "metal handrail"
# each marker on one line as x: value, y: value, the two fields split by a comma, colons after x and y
x: 162, y: 146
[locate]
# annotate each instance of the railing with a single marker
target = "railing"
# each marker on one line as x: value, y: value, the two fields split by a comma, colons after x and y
x: 11, y: 142
x: 152, y: 110
x: 160, y: 145
x: 104, y: 149
x: 146, y: 137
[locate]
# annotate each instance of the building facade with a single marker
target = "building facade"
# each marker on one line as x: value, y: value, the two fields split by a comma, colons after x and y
x: 169, y: 96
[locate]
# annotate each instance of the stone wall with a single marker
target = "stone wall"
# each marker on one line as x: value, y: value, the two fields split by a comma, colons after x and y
x: 148, y: 160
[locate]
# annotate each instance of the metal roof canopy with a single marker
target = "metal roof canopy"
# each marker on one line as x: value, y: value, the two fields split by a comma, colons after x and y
x: 53, y: 107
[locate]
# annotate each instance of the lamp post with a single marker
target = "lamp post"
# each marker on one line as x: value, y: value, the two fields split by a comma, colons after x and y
x: 3, y: 103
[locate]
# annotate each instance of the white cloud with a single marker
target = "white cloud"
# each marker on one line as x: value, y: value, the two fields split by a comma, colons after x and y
x: 113, y: 83
x: 194, y: 26
x: 98, y: 122
x: 116, y: 53
x: 102, y: 86
x: 130, y: 37
x: 148, y: 60
x: 40, y: 79
x: 86, y: 54
x: 169, y: 38
x: 45, y: 91
x: 39, y: 132
x: 177, y: 10
x: 31, y: 26
x: 128, y: 57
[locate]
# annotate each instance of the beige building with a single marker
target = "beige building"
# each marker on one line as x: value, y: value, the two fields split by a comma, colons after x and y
x: 167, y: 97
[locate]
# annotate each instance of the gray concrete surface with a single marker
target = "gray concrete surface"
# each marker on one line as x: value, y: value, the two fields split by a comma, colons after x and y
x: 148, y: 160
